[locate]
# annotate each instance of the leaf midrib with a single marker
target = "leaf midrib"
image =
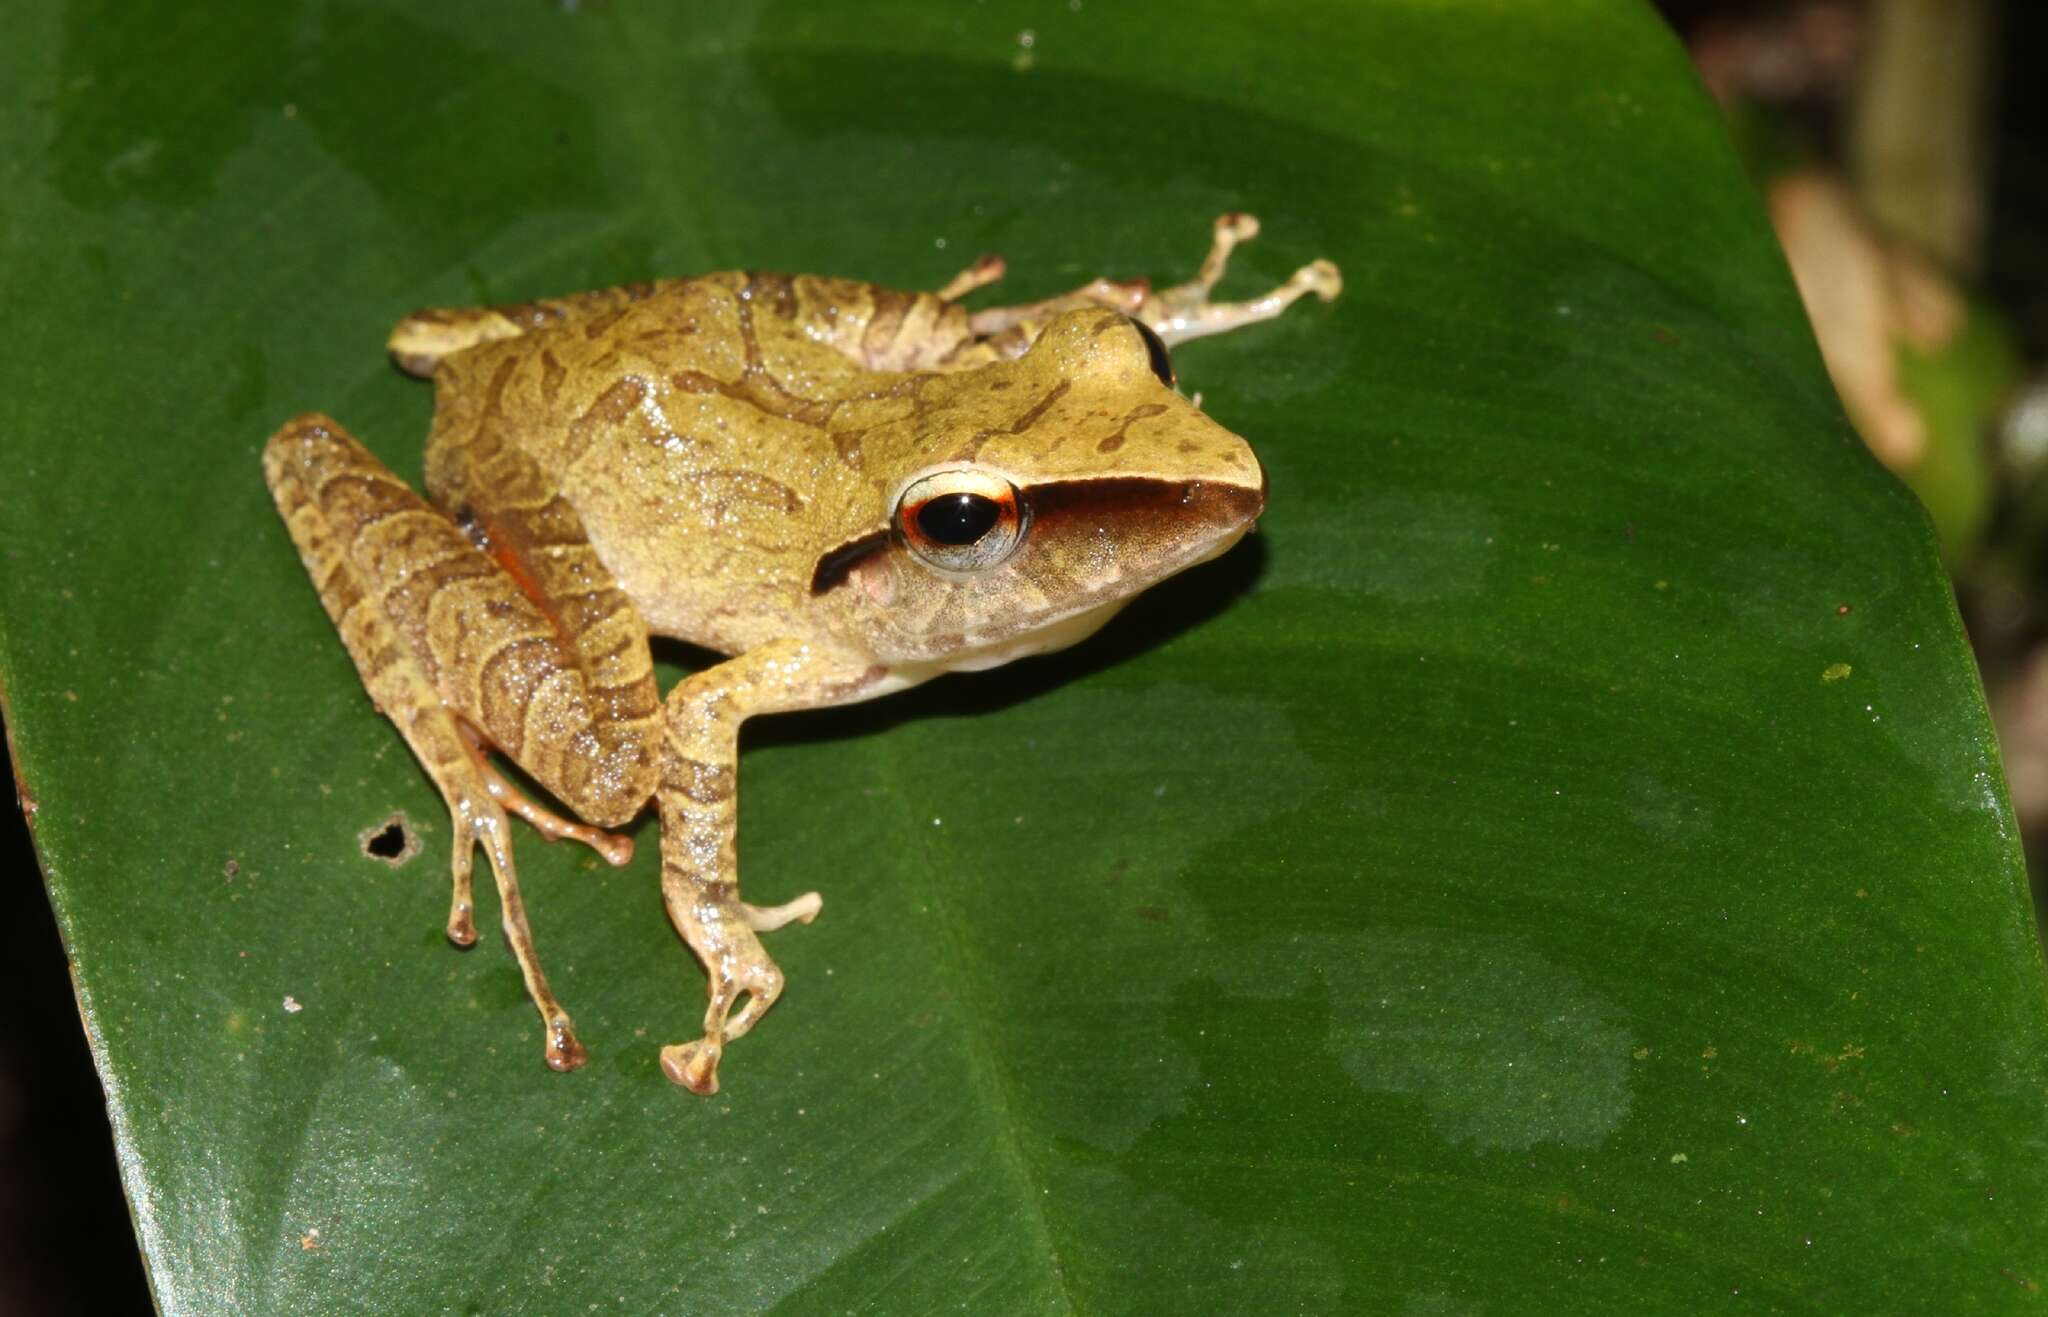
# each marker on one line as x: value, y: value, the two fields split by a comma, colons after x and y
x: 990, y: 1077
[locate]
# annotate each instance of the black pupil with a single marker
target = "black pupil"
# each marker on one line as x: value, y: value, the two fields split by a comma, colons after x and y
x: 957, y: 519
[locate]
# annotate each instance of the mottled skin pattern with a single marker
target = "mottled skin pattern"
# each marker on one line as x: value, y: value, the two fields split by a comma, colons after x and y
x: 739, y: 460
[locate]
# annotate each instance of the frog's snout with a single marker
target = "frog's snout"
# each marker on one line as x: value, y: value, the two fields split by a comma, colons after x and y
x: 1223, y: 506
x: 1146, y: 517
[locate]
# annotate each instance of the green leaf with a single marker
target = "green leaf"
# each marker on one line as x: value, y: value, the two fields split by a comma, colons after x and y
x: 1560, y: 865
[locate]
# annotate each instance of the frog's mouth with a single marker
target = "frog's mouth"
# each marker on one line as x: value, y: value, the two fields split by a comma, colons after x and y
x: 1093, y: 545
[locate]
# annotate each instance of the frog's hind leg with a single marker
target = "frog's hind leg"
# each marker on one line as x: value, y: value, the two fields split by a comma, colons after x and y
x: 419, y: 341
x: 1176, y: 314
x: 453, y: 650
x: 615, y: 848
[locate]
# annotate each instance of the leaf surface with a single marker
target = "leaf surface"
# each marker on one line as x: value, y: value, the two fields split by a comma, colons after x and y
x: 1560, y: 864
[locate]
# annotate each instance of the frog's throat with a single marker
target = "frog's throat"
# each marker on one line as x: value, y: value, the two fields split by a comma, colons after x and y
x: 1050, y: 638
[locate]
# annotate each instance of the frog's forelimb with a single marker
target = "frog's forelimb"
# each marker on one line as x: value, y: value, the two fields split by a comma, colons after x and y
x: 1176, y: 314
x: 700, y: 832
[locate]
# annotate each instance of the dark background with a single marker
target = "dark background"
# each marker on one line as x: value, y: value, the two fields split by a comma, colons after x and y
x: 66, y: 1243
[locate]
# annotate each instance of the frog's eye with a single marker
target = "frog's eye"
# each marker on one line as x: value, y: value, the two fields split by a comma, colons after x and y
x: 1155, y: 352
x: 960, y: 521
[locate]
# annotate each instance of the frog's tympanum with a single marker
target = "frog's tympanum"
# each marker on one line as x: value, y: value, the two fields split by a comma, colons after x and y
x: 847, y: 489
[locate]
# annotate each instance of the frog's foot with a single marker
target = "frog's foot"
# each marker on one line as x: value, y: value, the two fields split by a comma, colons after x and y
x: 615, y: 848
x: 694, y: 1065
x: 768, y: 918
x: 477, y: 818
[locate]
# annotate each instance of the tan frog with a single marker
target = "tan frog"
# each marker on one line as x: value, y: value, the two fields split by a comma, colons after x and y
x: 846, y: 488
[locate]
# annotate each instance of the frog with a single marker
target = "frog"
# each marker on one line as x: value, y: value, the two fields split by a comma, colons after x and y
x: 841, y: 489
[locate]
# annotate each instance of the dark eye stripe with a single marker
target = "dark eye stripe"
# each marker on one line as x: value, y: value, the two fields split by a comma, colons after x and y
x: 835, y: 566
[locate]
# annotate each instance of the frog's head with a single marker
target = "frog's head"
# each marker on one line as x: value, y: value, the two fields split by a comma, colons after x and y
x: 1039, y: 495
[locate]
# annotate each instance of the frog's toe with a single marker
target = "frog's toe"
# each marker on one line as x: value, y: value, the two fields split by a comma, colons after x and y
x: 768, y: 918
x: 462, y: 924
x: 564, y: 1051
x: 693, y: 1065
x: 1320, y: 277
x: 1235, y: 226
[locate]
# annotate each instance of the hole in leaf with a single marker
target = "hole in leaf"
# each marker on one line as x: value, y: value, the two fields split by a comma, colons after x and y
x: 393, y: 841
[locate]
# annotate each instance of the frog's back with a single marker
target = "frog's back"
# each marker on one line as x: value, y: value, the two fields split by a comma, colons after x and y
x: 706, y: 431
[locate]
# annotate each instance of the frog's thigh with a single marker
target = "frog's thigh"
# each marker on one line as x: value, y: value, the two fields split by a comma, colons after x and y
x: 586, y: 719
x: 530, y: 644
x: 699, y: 832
